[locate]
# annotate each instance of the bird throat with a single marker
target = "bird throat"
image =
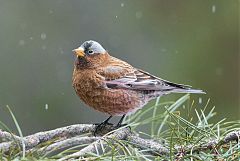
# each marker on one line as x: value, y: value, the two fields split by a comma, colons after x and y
x: 82, y: 62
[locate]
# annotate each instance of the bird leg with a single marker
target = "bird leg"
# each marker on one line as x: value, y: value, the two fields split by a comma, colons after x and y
x: 119, y: 124
x: 106, y: 121
x: 102, y: 125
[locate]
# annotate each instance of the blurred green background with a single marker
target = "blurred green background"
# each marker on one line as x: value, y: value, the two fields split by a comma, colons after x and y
x: 189, y: 41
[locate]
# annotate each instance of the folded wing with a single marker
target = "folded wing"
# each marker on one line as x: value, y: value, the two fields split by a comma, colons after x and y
x: 127, y: 77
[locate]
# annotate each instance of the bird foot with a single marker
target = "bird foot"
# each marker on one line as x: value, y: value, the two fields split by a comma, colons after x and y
x: 103, y: 128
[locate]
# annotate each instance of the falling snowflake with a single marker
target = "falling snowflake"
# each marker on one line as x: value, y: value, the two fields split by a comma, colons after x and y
x: 46, y: 106
x: 44, y: 47
x: 50, y: 11
x: 139, y: 15
x: 21, y: 42
x: 200, y: 100
x: 213, y: 9
x: 43, y: 36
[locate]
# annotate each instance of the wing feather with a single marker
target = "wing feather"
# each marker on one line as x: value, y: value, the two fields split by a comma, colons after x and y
x: 123, y: 75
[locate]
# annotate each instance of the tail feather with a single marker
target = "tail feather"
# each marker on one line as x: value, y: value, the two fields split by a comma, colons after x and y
x: 182, y: 88
x: 187, y: 90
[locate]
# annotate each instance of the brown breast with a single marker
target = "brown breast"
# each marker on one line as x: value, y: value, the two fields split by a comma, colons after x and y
x: 91, y: 89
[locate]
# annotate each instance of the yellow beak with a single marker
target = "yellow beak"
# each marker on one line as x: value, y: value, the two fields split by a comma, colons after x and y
x: 79, y: 52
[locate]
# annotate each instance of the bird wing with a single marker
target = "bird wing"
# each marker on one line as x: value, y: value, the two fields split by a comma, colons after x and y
x: 122, y: 75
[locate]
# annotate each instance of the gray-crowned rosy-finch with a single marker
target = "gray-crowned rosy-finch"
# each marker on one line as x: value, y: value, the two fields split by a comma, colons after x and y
x: 113, y: 86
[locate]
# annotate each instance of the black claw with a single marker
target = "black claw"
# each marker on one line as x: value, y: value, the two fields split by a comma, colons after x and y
x: 100, y: 126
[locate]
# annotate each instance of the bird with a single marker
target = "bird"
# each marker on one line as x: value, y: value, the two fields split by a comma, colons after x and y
x: 113, y: 86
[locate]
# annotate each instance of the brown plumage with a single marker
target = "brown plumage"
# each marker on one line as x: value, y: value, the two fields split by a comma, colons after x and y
x: 113, y: 86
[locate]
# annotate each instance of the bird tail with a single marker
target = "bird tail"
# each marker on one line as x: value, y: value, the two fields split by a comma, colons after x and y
x: 182, y: 88
x: 187, y: 90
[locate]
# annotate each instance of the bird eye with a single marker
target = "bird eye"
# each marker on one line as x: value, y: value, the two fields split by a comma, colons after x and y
x: 90, y: 51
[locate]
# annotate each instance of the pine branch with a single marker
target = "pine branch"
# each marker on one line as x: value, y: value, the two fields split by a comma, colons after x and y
x: 72, y: 135
x: 32, y: 141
